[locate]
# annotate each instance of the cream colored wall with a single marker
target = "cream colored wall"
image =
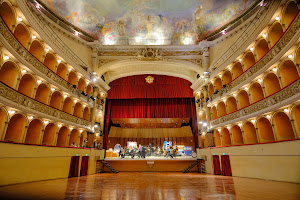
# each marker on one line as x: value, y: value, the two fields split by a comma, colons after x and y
x: 25, y: 163
x: 216, y: 51
x: 274, y: 161
x: 82, y: 51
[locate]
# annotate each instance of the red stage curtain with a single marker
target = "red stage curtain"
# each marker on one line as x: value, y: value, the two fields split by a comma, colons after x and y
x: 133, y: 87
x: 216, y: 162
x: 226, y: 167
x: 151, y: 108
x: 74, y: 166
x: 84, y: 165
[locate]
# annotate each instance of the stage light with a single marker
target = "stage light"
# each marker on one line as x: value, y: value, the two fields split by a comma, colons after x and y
x: 205, y: 124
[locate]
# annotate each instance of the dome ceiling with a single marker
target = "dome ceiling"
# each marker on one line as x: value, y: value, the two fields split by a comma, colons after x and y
x: 149, y: 22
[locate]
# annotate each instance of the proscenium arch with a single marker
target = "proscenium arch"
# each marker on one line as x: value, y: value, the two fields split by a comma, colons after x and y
x: 174, y: 68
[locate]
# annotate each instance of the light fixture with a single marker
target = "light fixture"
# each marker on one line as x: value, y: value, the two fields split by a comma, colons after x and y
x: 204, y: 124
x: 47, y: 49
x: 253, y: 121
x: 274, y: 69
x: 80, y: 131
x: 240, y: 59
x: 79, y: 76
x: 138, y: 39
x: 277, y: 18
x: 52, y: 89
x: 240, y: 124
x: 264, y: 35
x: 268, y: 116
x: 286, y: 110
x: 46, y: 122
x: 30, y: 117
x: 6, y: 57
x: 96, y: 126
x: 229, y: 68
x: 71, y: 128
x: 59, y: 60
x: 246, y: 88
x: 59, y: 125
x: 234, y: 94
x: 223, y: 32
x: 75, y: 101
x: 76, y: 33
x: 259, y: 80
x: 65, y: 96
x: 251, y: 49
x: 24, y: 71
x: 220, y: 75
x: 34, y: 36
x: 201, y: 76
x: 39, y: 81
x: 11, y: 112
x: 20, y: 19
x: 290, y: 56
x: 201, y: 122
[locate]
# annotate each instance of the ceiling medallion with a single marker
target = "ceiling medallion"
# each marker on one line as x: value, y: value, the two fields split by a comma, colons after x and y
x: 149, y: 79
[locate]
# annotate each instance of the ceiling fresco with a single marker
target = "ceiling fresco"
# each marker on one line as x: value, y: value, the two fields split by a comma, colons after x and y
x: 153, y: 22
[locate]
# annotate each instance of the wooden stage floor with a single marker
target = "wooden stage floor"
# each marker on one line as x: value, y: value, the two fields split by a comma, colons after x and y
x: 148, y: 186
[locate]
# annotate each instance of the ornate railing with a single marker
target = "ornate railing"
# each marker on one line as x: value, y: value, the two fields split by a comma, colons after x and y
x: 21, y: 53
x: 277, y: 99
x: 21, y: 100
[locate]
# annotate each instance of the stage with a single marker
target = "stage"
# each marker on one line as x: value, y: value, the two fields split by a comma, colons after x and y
x: 151, y: 164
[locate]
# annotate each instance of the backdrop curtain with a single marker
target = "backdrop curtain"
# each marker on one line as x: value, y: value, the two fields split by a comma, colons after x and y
x: 73, y: 172
x: 216, y: 163
x: 84, y: 165
x: 226, y: 167
x: 166, y: 97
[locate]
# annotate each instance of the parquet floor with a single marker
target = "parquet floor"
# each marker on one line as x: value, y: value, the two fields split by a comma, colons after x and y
x: 146, y: 186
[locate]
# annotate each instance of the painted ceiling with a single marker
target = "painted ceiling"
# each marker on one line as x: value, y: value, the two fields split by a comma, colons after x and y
x: 149, y: 21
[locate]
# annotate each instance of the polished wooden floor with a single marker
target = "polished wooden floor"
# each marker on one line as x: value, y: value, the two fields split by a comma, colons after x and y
x: 144, y: 186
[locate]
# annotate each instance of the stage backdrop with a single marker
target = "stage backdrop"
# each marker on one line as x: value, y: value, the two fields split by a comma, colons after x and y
x: 150, y: 96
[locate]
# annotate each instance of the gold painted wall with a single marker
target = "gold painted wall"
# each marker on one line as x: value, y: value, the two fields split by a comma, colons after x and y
x: 26, y: 163
x: 274, y: 161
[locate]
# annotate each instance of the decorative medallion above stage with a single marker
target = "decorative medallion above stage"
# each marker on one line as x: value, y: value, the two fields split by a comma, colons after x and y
x: 149, y: 22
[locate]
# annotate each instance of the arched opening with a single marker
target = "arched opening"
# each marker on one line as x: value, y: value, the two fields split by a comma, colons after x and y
x: 217, y: 138
x: 86, y: 113
x: 3, y: 121
x: 56, y: 100
x: 42, y: 93
x: 296, y: 118
x: 34, y: 132
x: 249, y: 133
x: 37, y: 50
x: 283, y: 126
x: 78, y: 110
x: 89, y: 90
x: 290, y: 13
x: 226, y: 78
x: 226, y: 141
x: 275, y: 33
x: 261, y: 48
x: 27, y: 85
x: 237, y: 135
x: 16, y: 128
x: 74, y: 137
x: 205, y: 141
x: 214, y: 112
x: 81, y: 85
x: 68, y: 105
x: 210, y: 89
x: 243, y: 99
x: 50, y: 62
x: 256, y: 92
x: 82, y: 138
x: 62, y: 71
x: 221, y: 109
x: 237, y: 70
x: 9, y: 74
x: 249, y: 60
x: 288, y: 72
x: 231, y: 104
x: 265, y: 130
x: 22, y: 34
x: 7, y: 15
x: 218, y: 84
x: 204, y: 116
x: 72, y: 78
x: 62, y: 137
x: 271, y: 84
x: 49, y: 134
